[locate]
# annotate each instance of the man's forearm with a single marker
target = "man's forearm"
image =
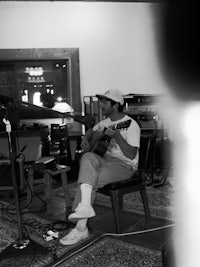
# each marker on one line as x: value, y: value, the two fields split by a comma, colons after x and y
x: 128, y: 150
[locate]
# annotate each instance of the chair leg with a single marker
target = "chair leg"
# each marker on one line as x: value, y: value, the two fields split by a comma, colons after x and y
x: 115, y: 206
x: 121, y: 203
x: 30, y: 189
x: 48, y: 191
x: 145, y: 204
x: 66, y: 189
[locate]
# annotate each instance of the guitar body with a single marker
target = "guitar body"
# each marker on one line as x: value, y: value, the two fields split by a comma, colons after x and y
x: 100, y: 143
x: 100, y: 146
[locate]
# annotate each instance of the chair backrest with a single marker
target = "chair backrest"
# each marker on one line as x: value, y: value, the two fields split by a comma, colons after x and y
x: 146, y: 142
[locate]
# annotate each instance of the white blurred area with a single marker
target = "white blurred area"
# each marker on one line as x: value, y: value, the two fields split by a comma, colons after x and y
x: 181, y: 119
x: 188, y: 186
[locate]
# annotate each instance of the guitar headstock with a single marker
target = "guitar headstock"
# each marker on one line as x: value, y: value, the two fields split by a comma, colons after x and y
x: 123, y: 125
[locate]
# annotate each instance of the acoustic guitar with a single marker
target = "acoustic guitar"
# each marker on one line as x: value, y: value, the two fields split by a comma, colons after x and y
x: 100, y: 143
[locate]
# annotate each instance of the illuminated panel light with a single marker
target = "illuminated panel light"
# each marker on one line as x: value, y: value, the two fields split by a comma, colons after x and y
x: 36, y: 99
x: 36, y: 79
x: 59, y: 99
x: 25, y: 96
x: 34, y: 71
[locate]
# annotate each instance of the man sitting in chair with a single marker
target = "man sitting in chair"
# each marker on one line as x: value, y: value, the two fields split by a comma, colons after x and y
x: 112, y: 156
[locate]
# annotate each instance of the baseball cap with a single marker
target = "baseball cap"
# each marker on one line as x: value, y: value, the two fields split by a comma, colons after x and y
x: 113, y: 94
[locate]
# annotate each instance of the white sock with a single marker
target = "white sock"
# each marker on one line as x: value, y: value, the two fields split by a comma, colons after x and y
x: 86, y: 193
x: 81, y: 224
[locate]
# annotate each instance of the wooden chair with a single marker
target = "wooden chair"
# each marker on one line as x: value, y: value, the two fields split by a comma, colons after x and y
x: 117, y: 190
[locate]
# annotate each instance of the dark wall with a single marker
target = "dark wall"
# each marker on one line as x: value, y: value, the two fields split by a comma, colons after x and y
x: 179, y: 46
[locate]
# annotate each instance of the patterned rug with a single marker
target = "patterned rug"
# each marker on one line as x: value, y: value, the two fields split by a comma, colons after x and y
x: 111, y: 252
x: 161, y: 200
x: 35, y: 227
x: 101, y: 252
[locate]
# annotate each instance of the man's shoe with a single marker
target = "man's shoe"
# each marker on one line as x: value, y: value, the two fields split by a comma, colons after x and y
x: 82, y: 212
x: 74, y: 237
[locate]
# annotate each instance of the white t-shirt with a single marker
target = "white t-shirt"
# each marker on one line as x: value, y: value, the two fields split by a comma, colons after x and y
x: 130, y: 134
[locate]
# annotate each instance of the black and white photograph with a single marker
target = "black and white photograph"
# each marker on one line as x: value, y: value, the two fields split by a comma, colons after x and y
x: 99, y: 133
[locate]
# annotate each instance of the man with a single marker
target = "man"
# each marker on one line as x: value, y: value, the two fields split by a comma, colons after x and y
x: 119, y: 162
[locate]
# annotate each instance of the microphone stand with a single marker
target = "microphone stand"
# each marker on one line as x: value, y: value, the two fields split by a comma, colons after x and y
x: 23, y: 245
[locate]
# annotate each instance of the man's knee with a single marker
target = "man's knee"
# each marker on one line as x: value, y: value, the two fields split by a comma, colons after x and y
x: 87, y: 156
x: 90, y: 158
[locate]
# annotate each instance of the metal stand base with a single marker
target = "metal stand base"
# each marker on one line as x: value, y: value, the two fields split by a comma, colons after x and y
x: 22, y: 248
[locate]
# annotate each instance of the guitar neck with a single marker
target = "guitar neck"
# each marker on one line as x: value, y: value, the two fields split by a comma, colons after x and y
x: 87, y: 120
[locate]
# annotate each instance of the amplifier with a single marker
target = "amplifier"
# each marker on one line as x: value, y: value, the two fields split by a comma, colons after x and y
x: 6, y: 174
x: 43, y: 163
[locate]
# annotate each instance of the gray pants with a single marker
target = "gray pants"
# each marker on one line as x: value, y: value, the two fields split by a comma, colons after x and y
x: 98, y: 171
